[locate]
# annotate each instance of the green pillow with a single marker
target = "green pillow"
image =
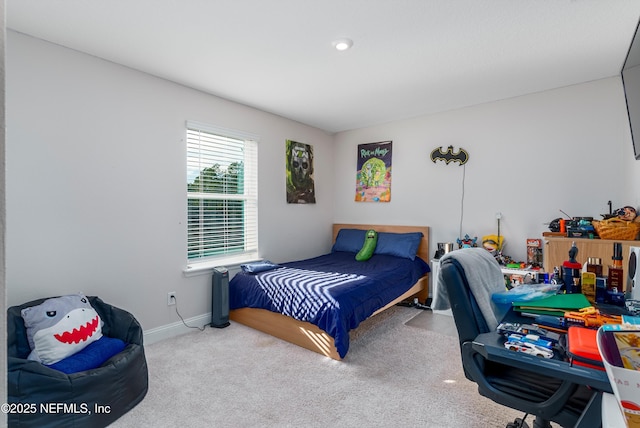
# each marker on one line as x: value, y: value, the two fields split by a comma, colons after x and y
x: 369, y: 246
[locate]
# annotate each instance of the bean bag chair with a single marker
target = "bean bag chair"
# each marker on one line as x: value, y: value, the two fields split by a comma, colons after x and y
x: 42, y: 396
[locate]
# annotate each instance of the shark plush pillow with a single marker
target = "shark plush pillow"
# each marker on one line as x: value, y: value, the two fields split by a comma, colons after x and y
x: 61, y: 326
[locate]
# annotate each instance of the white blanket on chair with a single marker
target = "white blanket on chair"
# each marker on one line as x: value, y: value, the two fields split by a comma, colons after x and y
x: 484, y: 276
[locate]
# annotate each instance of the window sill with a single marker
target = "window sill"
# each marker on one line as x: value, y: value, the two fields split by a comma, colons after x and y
x: 206, y: 267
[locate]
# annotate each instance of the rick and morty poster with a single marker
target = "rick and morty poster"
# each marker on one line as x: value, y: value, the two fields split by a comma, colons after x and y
x: 373, y: 179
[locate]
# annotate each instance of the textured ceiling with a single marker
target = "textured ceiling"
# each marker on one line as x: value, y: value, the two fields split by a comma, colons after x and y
x: 409, y: 58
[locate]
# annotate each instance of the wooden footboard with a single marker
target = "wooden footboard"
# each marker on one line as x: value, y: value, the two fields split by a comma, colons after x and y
x: 311, y: 337
x: 286, y: 328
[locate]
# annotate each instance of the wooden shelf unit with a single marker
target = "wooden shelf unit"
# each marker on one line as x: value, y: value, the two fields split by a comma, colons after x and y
x: 556, y: 251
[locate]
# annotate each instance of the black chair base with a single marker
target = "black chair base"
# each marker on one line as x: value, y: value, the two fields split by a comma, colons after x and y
x: 518, y: 423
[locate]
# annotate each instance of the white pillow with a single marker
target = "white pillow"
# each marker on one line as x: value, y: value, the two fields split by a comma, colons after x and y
x: 61, y: 326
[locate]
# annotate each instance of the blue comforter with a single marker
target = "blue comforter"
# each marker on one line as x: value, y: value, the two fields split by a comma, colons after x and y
x: 334, y: 291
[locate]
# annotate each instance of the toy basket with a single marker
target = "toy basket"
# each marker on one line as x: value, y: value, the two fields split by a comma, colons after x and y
x: 615, y: 228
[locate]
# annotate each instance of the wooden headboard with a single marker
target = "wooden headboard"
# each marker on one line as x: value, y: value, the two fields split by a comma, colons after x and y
x: 423, y: 249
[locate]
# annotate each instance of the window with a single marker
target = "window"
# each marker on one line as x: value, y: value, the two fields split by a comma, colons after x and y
x: 222, y: 195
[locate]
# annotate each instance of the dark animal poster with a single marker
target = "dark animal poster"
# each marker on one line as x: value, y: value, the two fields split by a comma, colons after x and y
x: 373, y: 178
x: 300, y: 184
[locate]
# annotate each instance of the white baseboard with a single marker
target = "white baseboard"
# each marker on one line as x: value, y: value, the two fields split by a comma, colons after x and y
x: 175, y: 329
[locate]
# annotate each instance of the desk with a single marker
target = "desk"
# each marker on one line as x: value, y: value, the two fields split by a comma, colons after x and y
x: 491, y: 347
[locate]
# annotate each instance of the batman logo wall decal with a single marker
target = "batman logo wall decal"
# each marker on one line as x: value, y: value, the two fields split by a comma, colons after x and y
x: 461, y: 156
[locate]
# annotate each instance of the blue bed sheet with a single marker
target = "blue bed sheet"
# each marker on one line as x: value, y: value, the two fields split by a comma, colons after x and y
x: 333, y: 291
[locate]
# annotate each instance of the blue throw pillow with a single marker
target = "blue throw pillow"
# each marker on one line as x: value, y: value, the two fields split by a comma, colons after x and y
x: 91, y: 357
x: 399, y: 244
x: 257, y: 267
x: 350, y: 240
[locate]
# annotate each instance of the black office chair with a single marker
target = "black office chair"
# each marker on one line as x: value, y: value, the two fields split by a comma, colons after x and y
x: 545, y: 397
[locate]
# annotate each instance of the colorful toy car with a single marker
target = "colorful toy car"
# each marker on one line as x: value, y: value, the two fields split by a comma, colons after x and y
x: 507, y: 328
x: 528, y: 348
x: 531, y: 338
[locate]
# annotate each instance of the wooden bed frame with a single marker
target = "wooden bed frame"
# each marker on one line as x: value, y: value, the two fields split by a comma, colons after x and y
x: 312, y: 337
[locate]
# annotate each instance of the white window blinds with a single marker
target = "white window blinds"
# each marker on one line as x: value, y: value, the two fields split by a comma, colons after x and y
x: 222, y: 193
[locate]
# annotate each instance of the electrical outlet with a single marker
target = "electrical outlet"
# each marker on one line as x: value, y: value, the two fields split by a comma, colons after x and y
x: 171, y: 298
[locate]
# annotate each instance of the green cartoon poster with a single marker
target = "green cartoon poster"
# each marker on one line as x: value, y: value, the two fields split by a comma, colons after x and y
x: 300, y: 184
x: 373, y: 179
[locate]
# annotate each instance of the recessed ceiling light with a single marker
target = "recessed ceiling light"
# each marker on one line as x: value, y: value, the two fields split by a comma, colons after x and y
x: 343, y: 44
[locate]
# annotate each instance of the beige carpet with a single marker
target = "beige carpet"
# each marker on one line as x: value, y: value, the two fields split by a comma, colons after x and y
x: 438, y: 323
x: 398, y: 373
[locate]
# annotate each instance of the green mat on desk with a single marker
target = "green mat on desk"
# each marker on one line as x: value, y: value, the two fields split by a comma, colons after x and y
x: 555, y: 305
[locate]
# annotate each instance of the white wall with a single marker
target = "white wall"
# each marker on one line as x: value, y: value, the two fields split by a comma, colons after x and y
x: 96, y: 182
x: 96, y: 176
x: 567, y: 149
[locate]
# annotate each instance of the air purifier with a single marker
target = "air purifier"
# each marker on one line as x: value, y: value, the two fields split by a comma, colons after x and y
x: 220, y: 297
x: 633, y: 274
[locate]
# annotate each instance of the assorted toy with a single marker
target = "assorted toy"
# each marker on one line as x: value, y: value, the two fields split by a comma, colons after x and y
x: 590, y: 317
x: 551, y: 333
x: 547, y: 335
x: 514, y: 344
x: 467, y: 242
x: 530, y: 338
x: 534, y: 252
x: 493, y: 244
x: 571, y: 271
x: 507, y: 329
x: 626, y: 213
x: 369, y: 246
x: 622, y: 223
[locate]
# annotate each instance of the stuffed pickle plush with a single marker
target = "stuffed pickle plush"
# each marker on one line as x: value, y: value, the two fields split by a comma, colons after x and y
x: 369, y: 246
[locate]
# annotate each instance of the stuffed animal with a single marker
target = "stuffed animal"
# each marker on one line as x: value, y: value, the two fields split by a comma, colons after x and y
x: 369, y: 246
x: 61, y: 326
x: 627, y: 213
x: 492, y: 243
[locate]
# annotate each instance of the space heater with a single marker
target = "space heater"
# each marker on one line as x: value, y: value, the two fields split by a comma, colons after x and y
x: 220, y: 297
x: 633, y: 274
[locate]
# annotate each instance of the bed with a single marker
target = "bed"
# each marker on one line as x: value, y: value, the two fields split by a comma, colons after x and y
x: 350, y: 292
